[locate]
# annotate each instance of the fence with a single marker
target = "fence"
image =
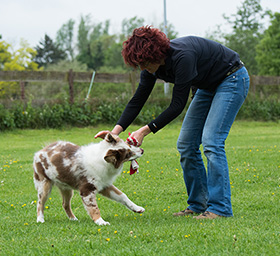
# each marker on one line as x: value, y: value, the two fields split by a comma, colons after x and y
x: 52, y: 76
x: 133, y: 77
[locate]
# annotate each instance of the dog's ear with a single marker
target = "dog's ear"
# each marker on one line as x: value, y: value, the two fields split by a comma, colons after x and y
x: 110, y: 138
x: 115, y: 157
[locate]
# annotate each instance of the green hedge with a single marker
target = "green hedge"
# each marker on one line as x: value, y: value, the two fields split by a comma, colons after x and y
x: 86, y: 114
x: 260, y: 110
x: 61, y: 115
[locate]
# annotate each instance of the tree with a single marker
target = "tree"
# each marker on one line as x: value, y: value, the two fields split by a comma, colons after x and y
x: 216, y: 34
x: 105, y: 51
x: 100, y: 29
x: 247, y: 30
x: 65, y: 38
x: 171, y: 33
x: 113, y: 56
x: 268, y: 50
x: 98, y: 49
x: 100, y: 41
x: 84, y: 54
x: 93, y: 42
x: 5, y: 55
x: 97, y: 54
x: 48, y: 52
x: 21, y: 59
x: 128, y: 25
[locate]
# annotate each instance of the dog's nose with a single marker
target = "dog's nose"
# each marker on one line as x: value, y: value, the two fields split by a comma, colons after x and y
x: 142, y: 151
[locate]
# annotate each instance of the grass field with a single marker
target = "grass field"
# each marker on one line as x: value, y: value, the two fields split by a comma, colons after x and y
x: 253, y: 151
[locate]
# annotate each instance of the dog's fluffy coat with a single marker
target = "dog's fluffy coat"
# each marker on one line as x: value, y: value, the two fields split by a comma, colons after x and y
x: 90, y: 169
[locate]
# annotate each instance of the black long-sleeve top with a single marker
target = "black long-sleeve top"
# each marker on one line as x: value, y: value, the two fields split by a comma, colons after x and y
x: 190, y: 61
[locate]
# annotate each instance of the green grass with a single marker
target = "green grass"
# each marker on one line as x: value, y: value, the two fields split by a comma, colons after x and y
x: 253, y: 151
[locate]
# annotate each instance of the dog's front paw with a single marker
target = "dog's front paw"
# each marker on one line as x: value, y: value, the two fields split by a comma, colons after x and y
x: 100, y: 222
x: 139, y: 209
x: 40, y: 219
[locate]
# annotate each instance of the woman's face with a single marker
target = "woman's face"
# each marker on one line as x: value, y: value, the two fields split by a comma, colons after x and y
x: 150, y: 67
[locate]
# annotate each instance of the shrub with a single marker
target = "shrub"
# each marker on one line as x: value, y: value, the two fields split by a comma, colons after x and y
x: 83, y: 114
x: 260, y: 110
x: 6, y: 119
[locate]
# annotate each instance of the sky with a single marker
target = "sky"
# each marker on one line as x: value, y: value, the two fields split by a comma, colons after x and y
x: 32, y: 19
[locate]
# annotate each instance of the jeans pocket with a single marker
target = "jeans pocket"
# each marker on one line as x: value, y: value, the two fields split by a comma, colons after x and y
x: 230, y: 84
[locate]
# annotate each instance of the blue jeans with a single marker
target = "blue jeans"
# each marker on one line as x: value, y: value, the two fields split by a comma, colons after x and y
x: 208, y: 122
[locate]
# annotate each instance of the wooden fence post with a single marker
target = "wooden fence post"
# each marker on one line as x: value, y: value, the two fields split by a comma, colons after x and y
x: 71, y: 86
x: 22, y: 90
x: 253, y: 84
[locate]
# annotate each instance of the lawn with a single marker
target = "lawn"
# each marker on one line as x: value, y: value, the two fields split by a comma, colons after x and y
x: 253, y: 151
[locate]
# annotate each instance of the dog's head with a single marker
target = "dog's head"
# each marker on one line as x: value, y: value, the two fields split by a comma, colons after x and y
x: 119, y: 151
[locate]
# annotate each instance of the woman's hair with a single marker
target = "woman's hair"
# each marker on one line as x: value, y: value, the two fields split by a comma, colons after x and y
x: 146, y: 44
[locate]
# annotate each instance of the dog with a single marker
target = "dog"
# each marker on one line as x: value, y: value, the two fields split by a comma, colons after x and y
x: 91, y: 169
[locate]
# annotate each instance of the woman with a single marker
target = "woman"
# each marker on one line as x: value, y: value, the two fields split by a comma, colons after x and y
x: 222, y: 84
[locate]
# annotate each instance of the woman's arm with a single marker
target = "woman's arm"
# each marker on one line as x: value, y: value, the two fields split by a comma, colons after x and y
x: 116, y: 130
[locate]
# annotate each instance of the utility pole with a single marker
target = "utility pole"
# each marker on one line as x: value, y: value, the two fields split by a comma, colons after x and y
x: 166, y: 85
x: 164, y: 17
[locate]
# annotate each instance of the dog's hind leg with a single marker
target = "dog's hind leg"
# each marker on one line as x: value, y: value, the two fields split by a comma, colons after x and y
x: 115, y: 194
x: 87, y: 192
x: 43, y: 186
x: 44, y: 189
x: 67, y: 195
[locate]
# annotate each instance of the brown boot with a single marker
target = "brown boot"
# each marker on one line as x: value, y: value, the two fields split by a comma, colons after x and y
x: 207, y: 215
x: 183, y: 213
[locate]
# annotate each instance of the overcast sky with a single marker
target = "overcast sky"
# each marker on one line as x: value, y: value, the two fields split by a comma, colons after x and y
x: 32, y: 19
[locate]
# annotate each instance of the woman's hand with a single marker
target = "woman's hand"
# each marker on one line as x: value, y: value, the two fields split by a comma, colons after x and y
x: 141, y: 133
x: 101, y: 134
x: 117, y: 130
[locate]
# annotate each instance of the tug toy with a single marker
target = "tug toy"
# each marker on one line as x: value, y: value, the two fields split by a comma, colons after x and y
x: 134, y: 166
x: 132, y: 141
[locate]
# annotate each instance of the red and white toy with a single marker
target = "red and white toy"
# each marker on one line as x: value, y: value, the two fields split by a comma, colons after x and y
x: 134, y: 166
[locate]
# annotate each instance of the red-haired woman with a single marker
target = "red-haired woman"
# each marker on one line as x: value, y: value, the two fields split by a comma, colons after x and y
x: 222, y: 82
